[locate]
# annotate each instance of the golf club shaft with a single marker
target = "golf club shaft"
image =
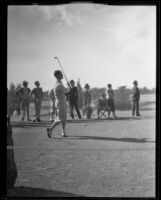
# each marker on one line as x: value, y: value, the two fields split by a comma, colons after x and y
x: 62, y: 70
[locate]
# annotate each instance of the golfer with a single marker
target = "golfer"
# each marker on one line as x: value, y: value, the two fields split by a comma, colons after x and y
x: 60, y: 104
x: 38, y: 96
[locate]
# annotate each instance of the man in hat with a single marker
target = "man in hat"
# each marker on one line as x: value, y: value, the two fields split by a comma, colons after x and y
x: 87, y: 110
x: 37, y: 94
x: 135, y: 99
x: 60, y: 104
x: 23, y: 94
x: 73, y: 99
x: 111, y: 102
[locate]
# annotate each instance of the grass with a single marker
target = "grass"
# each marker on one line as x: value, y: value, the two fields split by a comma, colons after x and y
x: 111, y: 158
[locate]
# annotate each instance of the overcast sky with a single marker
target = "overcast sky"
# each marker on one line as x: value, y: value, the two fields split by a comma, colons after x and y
x: 96, y: 43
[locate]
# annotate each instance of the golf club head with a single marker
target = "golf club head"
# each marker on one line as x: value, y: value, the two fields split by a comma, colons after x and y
x: 56, y: 57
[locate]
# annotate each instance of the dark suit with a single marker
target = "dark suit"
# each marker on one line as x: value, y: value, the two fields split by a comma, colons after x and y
x: 135, y: 100
x: 73, y: 101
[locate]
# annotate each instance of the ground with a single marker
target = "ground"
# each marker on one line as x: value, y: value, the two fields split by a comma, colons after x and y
x: 99, y: 158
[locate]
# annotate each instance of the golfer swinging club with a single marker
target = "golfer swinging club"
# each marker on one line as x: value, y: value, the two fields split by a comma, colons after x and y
x: 60, y: 104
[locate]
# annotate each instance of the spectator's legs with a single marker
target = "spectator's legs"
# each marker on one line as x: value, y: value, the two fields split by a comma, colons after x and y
x: 98, y: 112
x: 133, y: 107
x: 27, y: 109
x: 22, y: 111
x: 77, y: 110
x: 38, y: 110
x: 109, y: 111
x: 71, y: 110
x: 113, y: 107
x: 137, y: 108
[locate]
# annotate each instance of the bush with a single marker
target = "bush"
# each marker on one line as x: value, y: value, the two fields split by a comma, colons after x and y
x: 122, y: 98
x: 12, y: 100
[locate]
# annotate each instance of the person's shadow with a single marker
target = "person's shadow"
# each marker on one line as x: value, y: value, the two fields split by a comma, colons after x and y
x: 22, y: 191
x: 135, y: 140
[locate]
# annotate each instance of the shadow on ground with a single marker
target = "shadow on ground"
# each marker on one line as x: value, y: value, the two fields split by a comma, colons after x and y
x: 135, y: 140
x: 22, y: 191
x: 47, y: 123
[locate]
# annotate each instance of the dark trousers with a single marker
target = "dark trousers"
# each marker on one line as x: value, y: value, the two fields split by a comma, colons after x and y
x: 72, y: 105
x: 135, y: 107
x: 111, y: 104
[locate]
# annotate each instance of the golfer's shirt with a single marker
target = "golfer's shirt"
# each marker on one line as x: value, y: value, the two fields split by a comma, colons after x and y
x: 59, y: 92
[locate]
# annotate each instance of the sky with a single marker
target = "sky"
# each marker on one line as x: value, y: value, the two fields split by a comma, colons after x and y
x: 99, y: 44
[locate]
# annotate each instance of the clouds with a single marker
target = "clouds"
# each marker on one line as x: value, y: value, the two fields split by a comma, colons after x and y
x: 59, y: 14
x: 115, y: 41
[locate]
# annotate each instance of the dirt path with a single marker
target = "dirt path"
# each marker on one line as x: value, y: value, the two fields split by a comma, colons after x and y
x: 108, y: 158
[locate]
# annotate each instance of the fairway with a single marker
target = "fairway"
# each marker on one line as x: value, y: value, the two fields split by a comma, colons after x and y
x: 99, y: 158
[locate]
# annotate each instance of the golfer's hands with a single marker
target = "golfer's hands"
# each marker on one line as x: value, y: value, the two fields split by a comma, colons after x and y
x: 68, y: 84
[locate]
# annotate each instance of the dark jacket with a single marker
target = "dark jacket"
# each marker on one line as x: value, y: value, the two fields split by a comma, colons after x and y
x: 72, y: 95
x: 135, y: 93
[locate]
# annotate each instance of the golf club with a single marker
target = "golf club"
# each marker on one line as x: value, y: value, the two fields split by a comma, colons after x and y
x: 62, y: 70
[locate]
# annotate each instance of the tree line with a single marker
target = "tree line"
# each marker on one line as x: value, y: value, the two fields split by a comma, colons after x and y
x: 122, y: 96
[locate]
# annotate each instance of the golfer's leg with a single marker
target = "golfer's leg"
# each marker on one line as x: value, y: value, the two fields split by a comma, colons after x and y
x: 50, y: 129
x: 54, y: 124
x: 57, y: 121
x: 63, y: 124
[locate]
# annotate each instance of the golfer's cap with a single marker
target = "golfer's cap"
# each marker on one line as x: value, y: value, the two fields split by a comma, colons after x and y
x: 109, y: 85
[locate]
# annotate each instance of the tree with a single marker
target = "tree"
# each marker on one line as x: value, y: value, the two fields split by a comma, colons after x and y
x: 122, y: 98
x: 12, y: 100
